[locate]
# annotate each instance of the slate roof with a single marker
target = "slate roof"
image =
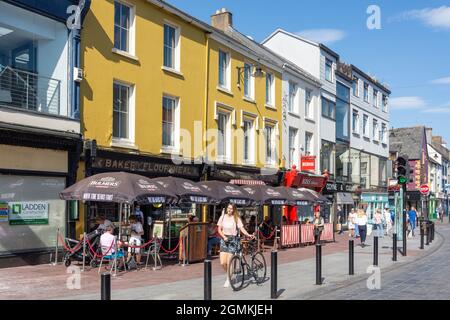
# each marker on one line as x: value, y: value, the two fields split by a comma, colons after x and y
x: 407, y: 141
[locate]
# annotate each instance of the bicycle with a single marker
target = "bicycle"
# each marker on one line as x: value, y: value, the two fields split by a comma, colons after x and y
x: 239, y: 267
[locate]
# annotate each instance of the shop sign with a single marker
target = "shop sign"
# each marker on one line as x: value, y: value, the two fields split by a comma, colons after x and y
x: 145, y: 166
x: 308, y: 163
x: 28, y: 213
x: 4, y: 212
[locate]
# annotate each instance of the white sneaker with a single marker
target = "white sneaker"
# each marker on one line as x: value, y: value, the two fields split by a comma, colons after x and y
x: 226, y: 284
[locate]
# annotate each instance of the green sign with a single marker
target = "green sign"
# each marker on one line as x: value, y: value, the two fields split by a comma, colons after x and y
x: 28, y: 213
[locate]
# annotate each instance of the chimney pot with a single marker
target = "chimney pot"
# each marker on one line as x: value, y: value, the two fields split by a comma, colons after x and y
x: 222, y: 19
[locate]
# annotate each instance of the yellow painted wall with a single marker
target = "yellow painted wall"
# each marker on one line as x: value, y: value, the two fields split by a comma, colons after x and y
x: 236, y: 99
x: 102, y: 66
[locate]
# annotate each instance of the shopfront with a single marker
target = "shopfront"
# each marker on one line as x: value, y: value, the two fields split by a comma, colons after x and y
x: 374, y: 201
x: 156, y: 216
x: 342, y: 197
x: 34, y: 168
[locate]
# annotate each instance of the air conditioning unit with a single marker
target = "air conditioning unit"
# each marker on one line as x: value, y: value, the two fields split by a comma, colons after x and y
x: 77, y: 74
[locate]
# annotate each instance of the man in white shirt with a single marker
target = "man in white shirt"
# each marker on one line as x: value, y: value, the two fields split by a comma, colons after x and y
x: 136, y: 239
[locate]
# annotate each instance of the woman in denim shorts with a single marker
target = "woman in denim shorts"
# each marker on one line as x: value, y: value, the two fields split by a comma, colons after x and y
x: 229, y: 227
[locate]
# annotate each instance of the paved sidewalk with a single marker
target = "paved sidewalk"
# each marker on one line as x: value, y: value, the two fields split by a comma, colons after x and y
x: 296, y: 280
x: 296, y: 276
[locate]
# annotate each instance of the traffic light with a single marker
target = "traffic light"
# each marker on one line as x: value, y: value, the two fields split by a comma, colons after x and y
x: 403, y: 170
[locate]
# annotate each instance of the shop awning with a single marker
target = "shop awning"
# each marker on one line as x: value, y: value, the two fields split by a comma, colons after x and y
x: 344, y: 198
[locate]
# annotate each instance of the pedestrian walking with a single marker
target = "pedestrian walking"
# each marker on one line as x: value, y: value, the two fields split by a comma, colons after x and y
x: 412, y: 215
x: 387, y: 220
x: 340, y: 219
x: 319, y: 225
x: 378, y: 219
x: 362, y: 226
x: 351, y: 222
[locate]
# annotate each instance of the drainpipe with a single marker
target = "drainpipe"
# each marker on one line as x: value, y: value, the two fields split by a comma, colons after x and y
x: 205, y: 120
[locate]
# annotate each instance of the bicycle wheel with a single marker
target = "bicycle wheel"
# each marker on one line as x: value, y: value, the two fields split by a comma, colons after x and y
x: 259, y: 267
x: 236, y: 273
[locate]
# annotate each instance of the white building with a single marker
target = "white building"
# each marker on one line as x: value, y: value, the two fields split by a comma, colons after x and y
x: 353, y: 125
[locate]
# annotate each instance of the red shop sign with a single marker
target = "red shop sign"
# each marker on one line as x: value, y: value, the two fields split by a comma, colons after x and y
x: 305, y: 181
x: 308, y: 163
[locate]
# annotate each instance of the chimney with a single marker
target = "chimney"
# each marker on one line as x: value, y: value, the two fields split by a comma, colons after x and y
x: 222, y: 19
x: 429, y: 134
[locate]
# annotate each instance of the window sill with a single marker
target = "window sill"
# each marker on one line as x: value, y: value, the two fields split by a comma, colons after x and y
x: 225, y: 90
x: 329, y: 118
x: 170, y: 150
x: 173, y: 71
x: 125, y: 54
x: 293, y: 114
x: 310, y: 120
x: 124, y: 144
x: 269, y: 106
x: 249, y: 100
x: 366, y: 137
x: 249, y: 163
x: 355, y: 133
x: 220, y: 160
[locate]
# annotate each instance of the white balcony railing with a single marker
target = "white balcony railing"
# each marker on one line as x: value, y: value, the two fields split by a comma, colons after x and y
x: 30, y: 91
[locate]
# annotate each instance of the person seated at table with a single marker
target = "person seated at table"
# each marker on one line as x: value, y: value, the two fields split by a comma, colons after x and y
x: 266, y: 227
x: 251, y: 225
x: 109, y: 243
x: 306, y: 221
x: 213, y: 236
x: 137, y: 231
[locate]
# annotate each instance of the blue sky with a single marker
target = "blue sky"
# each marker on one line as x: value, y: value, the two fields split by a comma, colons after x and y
x: 411, y: 51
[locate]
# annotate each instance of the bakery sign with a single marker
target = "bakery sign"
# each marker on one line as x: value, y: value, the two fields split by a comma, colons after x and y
x: 145, y: 166
x: 28, y: 213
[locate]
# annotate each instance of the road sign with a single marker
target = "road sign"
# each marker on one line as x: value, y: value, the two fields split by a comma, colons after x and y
x: 424, y: 189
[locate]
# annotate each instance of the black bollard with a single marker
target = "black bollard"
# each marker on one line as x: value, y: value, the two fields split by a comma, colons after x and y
x: 375, y: 251
x: 318, y: 264
x: 106, y: 286
x: 432, y: 232
x: 427, y: 233
x: 207, y: 280
x: 421, y: 235
x: 394, y: 247
x: 351, y: 257
x: 273, y: 279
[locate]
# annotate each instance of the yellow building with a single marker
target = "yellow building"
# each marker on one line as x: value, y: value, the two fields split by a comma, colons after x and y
x: 152, y: 91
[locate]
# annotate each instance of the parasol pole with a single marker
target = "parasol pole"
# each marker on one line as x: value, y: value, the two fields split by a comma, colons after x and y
x: 170, y: 225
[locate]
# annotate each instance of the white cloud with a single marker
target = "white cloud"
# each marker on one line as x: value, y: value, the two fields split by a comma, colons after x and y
x: 324, y: 36
x: 437, y: 110
x: 405, y: 103
x: 441, y: 81
x: 434, y: 17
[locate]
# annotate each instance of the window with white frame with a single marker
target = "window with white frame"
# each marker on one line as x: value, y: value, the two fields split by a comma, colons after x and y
x: 249, y: 138
x: 328, y: 69
x: 355, y: 121
x: 385, y: 103
x: 171, y: 47
x: 375, y: 134
x: 366, y: 92
x: 248, y: 81
x: 355, y: 86
x: 309, y: 110
x: 292, y: 103
x: 123, y: 27
x: 328, y: 109
x: 170, y: 122
x: 308, y: 143
x: 293, y: 150
x: 383, y: 133
x: 270, y: 89
x: 223, y: 139
x: 122, y: 111
x: 366, y: 125
x: 224, y: 69
x: 375, y: 98
x: 270, y: 144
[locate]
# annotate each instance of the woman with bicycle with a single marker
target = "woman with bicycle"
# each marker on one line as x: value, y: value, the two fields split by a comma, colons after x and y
x: 230, y: 224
